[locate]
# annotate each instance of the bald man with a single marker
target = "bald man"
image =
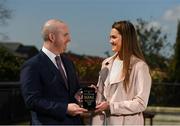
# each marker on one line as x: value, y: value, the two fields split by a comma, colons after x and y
x: 49, y: 81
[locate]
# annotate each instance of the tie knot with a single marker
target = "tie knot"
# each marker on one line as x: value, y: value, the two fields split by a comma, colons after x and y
x: 58, y: 58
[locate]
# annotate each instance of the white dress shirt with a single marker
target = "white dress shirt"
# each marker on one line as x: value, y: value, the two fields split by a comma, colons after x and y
x: 52, y: 58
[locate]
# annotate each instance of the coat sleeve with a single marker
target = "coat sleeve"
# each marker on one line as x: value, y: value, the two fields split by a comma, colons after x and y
x: 142, y: 82
x: 100, y: 85
x: 31, y: 88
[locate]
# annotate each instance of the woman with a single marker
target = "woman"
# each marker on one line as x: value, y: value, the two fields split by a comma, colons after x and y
x: 124, y: 81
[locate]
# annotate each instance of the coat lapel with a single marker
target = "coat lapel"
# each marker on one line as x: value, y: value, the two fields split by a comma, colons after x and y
x: 108, y: 65
x: 118, y: 78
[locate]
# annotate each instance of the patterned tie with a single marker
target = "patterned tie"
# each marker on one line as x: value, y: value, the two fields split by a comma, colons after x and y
x: 59, y: 64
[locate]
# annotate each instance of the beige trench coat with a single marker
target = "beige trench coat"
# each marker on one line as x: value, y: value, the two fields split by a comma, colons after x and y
x: 125, y: 108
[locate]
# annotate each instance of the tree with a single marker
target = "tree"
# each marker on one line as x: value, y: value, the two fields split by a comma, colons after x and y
x: 5, y: 15
x: 87, y: 67
x: 9, y: 66
x: 176, y: 57
x: 152, y: 42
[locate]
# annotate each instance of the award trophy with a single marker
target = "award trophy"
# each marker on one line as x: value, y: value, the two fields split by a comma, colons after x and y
x: 89, y: 98
x: 86, y: 97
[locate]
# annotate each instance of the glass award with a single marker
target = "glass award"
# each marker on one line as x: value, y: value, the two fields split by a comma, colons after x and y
x: 86, y: 98
x: 89, y: 98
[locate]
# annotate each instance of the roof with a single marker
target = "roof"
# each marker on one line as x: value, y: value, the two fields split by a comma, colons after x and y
x: 12, y: 46
x: 18, y: 49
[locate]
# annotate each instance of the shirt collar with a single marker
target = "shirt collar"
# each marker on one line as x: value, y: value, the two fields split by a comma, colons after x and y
x: 50, y: 55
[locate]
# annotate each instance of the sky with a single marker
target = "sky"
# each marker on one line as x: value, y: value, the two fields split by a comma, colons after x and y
x: 89, y: 21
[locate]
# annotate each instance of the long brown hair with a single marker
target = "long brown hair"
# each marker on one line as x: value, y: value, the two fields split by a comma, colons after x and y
x: 130, y: 46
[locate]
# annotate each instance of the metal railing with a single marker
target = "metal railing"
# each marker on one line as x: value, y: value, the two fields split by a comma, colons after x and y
x: 12, y: 108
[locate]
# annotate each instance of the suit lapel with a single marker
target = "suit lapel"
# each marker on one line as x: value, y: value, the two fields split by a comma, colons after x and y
x: 68, y: 69
x: 50, y: 65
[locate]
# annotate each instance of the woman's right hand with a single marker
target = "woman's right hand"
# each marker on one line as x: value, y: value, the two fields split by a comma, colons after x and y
x: 103, y: 106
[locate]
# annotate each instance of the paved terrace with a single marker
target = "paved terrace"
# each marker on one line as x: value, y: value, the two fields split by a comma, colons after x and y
x: 164, y: 115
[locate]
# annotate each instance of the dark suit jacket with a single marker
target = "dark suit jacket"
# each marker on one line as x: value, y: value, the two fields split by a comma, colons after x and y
x: 44, y: 90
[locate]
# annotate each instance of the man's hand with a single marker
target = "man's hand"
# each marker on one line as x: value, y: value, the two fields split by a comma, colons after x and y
x: 74, y: 109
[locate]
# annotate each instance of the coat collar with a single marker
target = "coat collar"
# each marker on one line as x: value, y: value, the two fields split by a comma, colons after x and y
x: 106, y: 68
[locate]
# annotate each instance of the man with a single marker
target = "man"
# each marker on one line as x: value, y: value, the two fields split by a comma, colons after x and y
x: 48, y: 82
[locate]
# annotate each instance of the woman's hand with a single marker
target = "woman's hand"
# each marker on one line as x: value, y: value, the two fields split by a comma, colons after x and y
x: 102, y: 106
x: 93, y: 86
